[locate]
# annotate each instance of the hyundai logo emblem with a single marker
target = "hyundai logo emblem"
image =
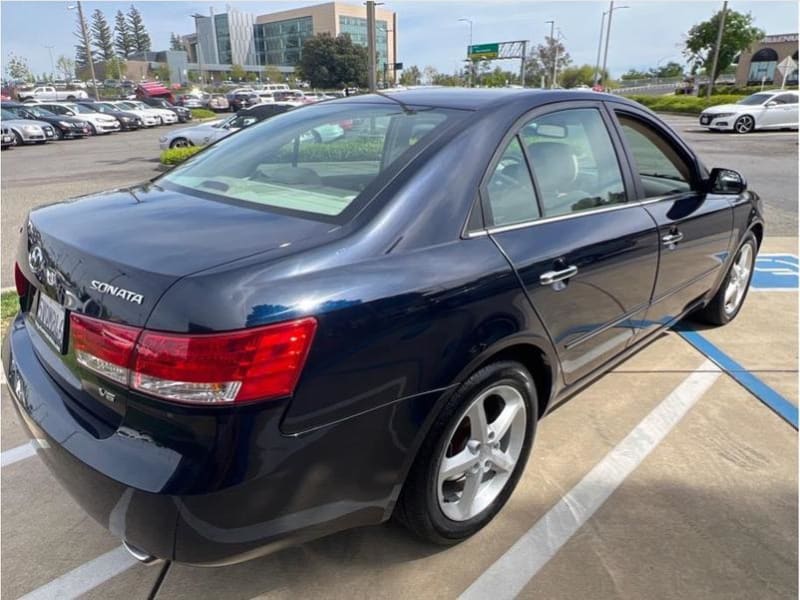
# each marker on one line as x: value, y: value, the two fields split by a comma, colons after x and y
x: 35, y: 259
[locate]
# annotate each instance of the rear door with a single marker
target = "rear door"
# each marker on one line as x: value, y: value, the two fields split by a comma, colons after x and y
x: 557, y: 203
x: 783, y: 113
x: 694, y: 228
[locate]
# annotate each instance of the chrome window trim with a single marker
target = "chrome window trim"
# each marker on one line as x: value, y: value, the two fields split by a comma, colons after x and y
x: 545, y: 220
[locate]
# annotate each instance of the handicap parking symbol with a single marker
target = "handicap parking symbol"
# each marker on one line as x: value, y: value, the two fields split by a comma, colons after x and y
x: 775, y: 273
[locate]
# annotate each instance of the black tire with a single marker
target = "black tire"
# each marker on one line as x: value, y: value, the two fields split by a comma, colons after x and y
x: 180, y: 143
x: 744, y: 124
x: 418, y: 506
x: 93, y: 128
x: 715, y: 313
x: 18, y: 141
x: 59, y: 134
x: 70, y: 97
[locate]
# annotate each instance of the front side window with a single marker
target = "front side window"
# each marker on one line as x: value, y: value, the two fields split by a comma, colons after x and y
x: 510, y: 194
x: 315, y: 161
x: 755, y: 99
x: 661, y: 169
x: 573, y: 161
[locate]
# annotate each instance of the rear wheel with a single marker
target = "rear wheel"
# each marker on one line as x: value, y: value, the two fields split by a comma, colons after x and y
x: 472, y: 457
x: 180, y: 143
x: 744, y: 124
x: 728, y: 300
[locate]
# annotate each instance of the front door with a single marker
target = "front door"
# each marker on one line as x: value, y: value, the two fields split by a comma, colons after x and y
x: 585, y: 255
x: 781, y: 111
x: 694, y: 228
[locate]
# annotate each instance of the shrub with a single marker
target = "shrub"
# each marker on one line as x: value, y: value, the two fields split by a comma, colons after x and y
x: 691, y: 105
x: 175, y: 156
x: 203, y: 113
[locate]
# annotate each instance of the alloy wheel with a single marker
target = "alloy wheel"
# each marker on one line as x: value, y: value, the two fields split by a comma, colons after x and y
x: 180, y: 143
x: 744, y: 124
x: 481, y: 452
x: 738, y: 279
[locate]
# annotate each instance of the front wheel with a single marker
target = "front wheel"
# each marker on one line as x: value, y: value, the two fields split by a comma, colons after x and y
x: 472, y: 457
x: 180, y: 143
x: 18, y: 141
x: 744, y: 124
x: 93, y: 128
x: 728, y: 300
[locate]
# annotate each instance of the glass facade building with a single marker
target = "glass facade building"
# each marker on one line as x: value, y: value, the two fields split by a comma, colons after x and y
x: 280, y: 43
x: 223, y: 39
x: 356, y: 28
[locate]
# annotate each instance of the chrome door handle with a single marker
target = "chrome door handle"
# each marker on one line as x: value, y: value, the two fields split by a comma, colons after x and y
x: 672, y: 238
x: 553, y: 276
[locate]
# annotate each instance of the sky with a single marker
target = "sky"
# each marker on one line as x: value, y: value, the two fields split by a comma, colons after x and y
x: 647, y: 33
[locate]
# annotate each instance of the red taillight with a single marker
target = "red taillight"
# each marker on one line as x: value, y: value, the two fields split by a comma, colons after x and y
x: 20, y: 281
x: 103, y: 347
x: 251, y: 364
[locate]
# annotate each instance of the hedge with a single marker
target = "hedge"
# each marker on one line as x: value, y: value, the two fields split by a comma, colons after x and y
x: 691, y: 105
x: 175, y: 156
x: 203, y: 113
x: 733, y: 89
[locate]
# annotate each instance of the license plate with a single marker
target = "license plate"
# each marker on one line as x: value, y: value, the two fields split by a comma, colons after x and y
x: 50, y: 319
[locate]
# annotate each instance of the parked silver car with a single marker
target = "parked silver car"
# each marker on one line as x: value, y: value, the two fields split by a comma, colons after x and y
x: 27, y: 131
x: 6, y: 138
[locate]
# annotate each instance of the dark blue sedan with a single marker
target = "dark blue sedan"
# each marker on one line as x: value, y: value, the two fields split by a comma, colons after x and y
x: 359, y: 309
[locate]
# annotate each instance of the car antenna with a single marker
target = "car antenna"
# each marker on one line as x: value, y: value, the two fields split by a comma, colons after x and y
x: 406, y: 108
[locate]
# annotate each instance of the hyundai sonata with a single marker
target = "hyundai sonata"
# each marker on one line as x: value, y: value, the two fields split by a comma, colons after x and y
x: 287, y: 336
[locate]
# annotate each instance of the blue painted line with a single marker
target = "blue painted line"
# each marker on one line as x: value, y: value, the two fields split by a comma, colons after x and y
x: 777, y: 403
x: 776, y: 272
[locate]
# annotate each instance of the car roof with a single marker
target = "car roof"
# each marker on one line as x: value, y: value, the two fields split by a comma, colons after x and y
x: 478, y: 98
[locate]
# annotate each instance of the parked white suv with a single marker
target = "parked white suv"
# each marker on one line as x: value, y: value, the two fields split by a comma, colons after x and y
x: 774, y: 109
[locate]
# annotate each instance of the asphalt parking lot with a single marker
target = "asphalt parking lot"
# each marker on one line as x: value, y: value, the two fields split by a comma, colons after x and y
x: 673, y: 476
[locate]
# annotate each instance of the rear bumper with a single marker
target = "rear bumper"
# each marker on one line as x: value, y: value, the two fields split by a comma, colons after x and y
x: 219, y: 486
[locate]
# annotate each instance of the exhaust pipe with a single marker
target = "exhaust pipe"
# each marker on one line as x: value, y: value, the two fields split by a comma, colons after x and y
x: 140, y: 555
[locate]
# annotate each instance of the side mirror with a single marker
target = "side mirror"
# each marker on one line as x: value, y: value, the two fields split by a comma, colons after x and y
x: 726, y: 181
x: 771, y: 103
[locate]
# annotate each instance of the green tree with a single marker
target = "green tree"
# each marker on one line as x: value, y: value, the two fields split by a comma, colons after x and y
x: 429, y: 74
x: 574, y: 76
x: 17, y: 67
x: 139, y: 35
x: 238, y: 73
x: 333, y: 62
x: 739, y: 35
x: 671, y: 69
x: 101, y: 36
x: 552, y: 51
x: 631, y: 74
x: 115, y: 68
x: 65, y: 67
x: 175, y: 42
x: 410, y: 76
x: 123, y: 40
x: 497, y: 77
x: 273, y: 73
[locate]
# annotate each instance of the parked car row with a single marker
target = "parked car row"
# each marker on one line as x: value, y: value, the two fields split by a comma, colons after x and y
x: 38, y: 121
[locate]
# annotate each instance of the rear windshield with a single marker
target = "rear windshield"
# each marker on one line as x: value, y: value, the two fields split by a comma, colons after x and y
x: 315, y: 160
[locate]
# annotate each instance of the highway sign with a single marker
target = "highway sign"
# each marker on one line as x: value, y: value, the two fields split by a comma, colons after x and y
x: 483, y: 51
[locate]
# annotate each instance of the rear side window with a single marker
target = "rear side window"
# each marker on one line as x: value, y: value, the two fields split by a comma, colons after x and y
x: 316, y: 160
x: 509, y: 191
x: 573, y: 161
x: 785, y: 99
x: 661, y: 169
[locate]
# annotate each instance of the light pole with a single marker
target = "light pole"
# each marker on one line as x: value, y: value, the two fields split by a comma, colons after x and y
x: 52, y: 64
x: 555, y: 53
x: 721, y: 28
x: 469, y: 49
x: 597, y: 78
x: 87, y: 45
x: 610, y: 13
x: 386, y: 58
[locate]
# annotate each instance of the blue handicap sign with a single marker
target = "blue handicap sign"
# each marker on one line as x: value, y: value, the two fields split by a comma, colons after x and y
x: 775, y: 272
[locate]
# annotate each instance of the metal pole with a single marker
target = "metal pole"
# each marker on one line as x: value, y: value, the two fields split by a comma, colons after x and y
x: 608, y: 39
x: 596, y: 78
x: 721, y: 28
x: 52, y: 64
x: 394, y: 49
x: 522, y: 64
x: 371, y: 43
x: 88, y: 50
x: 552, y: 27
x: 469, y: 49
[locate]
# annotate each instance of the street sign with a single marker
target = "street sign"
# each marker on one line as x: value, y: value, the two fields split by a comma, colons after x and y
x: 398, y: 66
x: 483, y: 51
x: 786, y: 66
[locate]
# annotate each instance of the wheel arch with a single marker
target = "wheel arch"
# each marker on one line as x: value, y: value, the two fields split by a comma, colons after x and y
x: 758, y: 230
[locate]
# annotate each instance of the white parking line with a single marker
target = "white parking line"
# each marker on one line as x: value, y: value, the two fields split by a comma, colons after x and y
x: 84, y: 578
x: 9, y: 457
x: 507, y: 577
